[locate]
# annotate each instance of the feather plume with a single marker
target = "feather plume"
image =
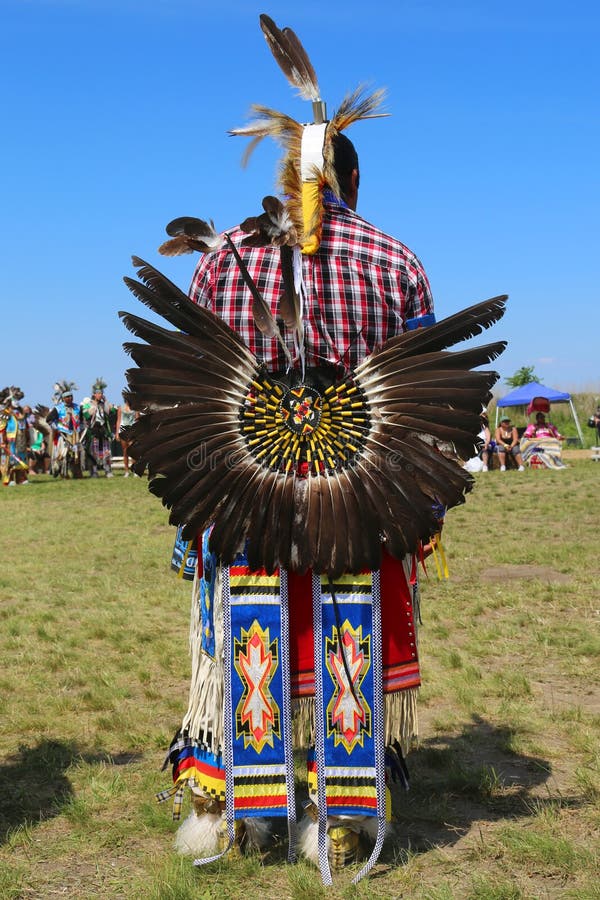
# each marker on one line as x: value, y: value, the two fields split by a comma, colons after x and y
x: 360, y: 104
x: 274, y: 227
x: 268, y: 122
x: 189, y: 234
x: 291, y: 57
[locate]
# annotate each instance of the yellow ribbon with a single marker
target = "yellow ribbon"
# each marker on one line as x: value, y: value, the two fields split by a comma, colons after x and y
x: 439, y: 556
x: 311, y: 200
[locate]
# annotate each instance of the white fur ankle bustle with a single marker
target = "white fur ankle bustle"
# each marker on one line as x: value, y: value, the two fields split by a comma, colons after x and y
x: 308, y: 839
x: 198, y: 835
x: 205, y: 834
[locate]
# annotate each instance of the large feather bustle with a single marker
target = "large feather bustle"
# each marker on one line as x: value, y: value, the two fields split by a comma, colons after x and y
x: 193, y: 384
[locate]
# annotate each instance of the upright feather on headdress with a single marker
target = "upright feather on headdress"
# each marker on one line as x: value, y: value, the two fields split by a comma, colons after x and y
x: 292, y: 58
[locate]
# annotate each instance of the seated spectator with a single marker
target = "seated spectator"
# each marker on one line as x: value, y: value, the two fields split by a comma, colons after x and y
x: 480, y: 463
x: 488, y: 443
x: 542, y: 429
x: 541, y: 444
x: 507, y: 441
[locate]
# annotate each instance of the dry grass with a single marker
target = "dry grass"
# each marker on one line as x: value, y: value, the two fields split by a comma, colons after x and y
x: 505, y: 782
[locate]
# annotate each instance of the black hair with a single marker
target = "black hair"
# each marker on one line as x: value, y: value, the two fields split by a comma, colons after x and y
x: 345, y: 160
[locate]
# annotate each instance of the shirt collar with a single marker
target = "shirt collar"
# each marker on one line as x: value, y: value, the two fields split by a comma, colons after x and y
x: 330, y: 197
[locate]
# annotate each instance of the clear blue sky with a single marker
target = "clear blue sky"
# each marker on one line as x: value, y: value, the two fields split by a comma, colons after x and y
x: 114, y: 120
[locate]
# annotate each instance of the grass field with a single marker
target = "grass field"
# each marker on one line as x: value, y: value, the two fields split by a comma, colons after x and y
x: 505, y: 780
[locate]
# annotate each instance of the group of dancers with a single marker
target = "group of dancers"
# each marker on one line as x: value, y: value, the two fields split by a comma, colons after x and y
x: 64, y: 440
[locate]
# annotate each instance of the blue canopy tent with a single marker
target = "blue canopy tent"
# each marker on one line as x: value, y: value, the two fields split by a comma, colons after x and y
x: 524, y: 395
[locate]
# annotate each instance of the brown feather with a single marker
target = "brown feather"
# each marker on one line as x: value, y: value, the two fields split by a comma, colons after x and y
x: 273, y: 227
x: 193, y: 227
x: 231, y: 526
x: 291, y: 57
x: 277, y: 540
x: 332, y: 551
x: 179, y: 245
x: 463, y: 325
x: 262, y: 514
x: 166, y: 299
x: 289, y: 302
x: 346, y: 549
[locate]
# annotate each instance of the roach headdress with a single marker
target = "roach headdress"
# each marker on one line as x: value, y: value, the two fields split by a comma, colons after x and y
x: 307, y: 164
x: 62, y: 389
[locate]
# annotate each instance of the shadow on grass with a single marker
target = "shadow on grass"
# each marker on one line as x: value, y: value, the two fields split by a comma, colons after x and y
x: 457, y: 781
x: 34, y: 785
x: 473, y: 777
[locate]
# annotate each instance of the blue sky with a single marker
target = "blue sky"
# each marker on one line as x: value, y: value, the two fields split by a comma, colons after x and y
x: 114, y: 121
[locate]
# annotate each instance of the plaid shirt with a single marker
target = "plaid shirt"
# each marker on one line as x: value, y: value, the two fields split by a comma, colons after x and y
x: 362, y: 287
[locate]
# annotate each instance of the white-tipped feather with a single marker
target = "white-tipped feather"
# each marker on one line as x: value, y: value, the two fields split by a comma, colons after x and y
x: 278, y: 215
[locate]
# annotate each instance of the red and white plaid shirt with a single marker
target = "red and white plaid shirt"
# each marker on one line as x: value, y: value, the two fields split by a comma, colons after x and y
x: 362, y: 286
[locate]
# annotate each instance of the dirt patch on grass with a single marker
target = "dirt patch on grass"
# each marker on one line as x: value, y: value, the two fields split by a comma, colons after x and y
x: 577, y: 454
x: 562, y: 697
x: 542, y: 573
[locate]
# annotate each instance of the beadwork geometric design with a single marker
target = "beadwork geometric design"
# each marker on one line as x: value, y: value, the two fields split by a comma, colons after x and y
x: 287, y: 427
x: 257, y: 716
x: 348, y: 714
